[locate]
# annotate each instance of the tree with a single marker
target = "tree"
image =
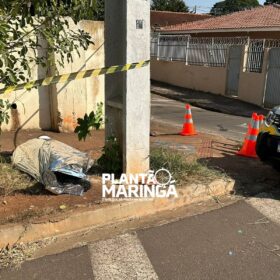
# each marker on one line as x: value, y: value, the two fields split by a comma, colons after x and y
x: 268, y: 2
x: 230, y: 6
x: 169, y: 5
x: 99, y: 13
x: 25, y: 24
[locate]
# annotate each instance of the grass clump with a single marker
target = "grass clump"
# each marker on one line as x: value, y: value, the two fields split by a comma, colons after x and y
x: 12, y: 180
x: 183, y: 169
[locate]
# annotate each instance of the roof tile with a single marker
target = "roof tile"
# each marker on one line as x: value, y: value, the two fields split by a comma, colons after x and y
x: 260, y: 17
x: 165, y: 18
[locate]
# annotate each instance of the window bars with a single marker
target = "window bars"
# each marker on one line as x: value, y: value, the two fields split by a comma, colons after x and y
x: 255, y: 54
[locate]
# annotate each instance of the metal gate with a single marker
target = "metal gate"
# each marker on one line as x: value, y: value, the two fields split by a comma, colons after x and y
x: 234, y: 64
x: 272, y: 91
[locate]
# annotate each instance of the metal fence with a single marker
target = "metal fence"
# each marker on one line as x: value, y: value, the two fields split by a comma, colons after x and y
x: 194, y: 51
x: 172, y: 48
x: 212, y: 52
x: 207, y: 55
x: 154, y: 45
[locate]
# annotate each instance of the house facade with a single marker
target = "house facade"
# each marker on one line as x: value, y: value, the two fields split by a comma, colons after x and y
x: 258, y: 23
x: 237, y: 55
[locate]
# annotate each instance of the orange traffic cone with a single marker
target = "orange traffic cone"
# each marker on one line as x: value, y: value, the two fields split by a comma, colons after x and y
x: 188, y: 129
x: 249, y: 146
x: 262, y: 118
x: 254, y: 116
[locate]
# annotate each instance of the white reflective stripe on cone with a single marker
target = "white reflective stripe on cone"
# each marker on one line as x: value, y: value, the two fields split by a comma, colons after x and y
x: 188, y: 121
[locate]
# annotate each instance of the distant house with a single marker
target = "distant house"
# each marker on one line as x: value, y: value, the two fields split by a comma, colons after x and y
x: 237, y: 55
x: 257, y: 23
x: 164, y: 18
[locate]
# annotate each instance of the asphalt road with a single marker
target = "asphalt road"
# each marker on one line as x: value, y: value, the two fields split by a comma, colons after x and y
x: 223, y: 244
x: 172, y: 112
x: 240, y: 241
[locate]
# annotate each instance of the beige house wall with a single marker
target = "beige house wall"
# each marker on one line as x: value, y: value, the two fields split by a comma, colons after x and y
x: 252, y: 85
x: 212, y: 79
x: 76, y: 98
x: 57, y: 107
x: 202, y: 78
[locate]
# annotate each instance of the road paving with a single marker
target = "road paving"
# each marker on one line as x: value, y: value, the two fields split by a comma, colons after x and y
x: 171, y: 112
x: 74, y: 264
x: 233, y: 242
x: 223, y: 244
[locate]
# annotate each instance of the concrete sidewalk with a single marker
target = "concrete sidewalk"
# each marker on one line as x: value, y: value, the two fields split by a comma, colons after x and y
x: 208, y: 101
x: 233, y: 242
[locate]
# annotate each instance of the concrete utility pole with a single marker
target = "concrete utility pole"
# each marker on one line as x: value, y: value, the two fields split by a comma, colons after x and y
x: 127, y: 95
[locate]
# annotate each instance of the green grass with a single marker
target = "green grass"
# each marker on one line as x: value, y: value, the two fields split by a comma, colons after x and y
x: 183, y: 169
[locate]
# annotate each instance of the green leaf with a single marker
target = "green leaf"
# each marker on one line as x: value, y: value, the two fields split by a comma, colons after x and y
x: 89, y: 122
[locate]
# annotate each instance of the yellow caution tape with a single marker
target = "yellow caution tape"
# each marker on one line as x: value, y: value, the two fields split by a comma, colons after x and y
x: 75, y: 76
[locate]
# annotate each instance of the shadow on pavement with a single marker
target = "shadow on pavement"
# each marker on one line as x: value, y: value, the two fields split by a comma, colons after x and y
x: 207, y: 100
x: 251, y: 175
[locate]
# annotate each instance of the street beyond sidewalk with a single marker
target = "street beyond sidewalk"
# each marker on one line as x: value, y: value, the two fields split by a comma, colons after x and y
x: 207, y: 100
x: 171, y: 112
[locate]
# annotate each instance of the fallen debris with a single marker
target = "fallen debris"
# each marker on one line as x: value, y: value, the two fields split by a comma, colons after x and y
x: 54, y: 164
x: 12, y: 256
x: 62, y: 207
x: 260, y: 221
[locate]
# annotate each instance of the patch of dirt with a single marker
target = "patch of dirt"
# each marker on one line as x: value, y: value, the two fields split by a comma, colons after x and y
x: 26, y: 207
x: 24, y: 200
x: 93, y: 144
x: 34, y: 204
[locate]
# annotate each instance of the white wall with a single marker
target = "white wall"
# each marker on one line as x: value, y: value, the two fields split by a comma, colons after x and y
x: 59, y: 106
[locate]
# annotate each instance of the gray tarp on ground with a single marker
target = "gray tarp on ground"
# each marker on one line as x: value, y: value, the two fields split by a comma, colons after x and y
x: 40, y: 158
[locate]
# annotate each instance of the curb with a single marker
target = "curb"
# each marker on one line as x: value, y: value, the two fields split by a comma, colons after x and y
x: 113, y: 213
x: 178, y: 97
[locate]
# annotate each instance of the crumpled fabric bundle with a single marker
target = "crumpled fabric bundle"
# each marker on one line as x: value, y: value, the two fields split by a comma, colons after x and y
x: 46, y: 159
